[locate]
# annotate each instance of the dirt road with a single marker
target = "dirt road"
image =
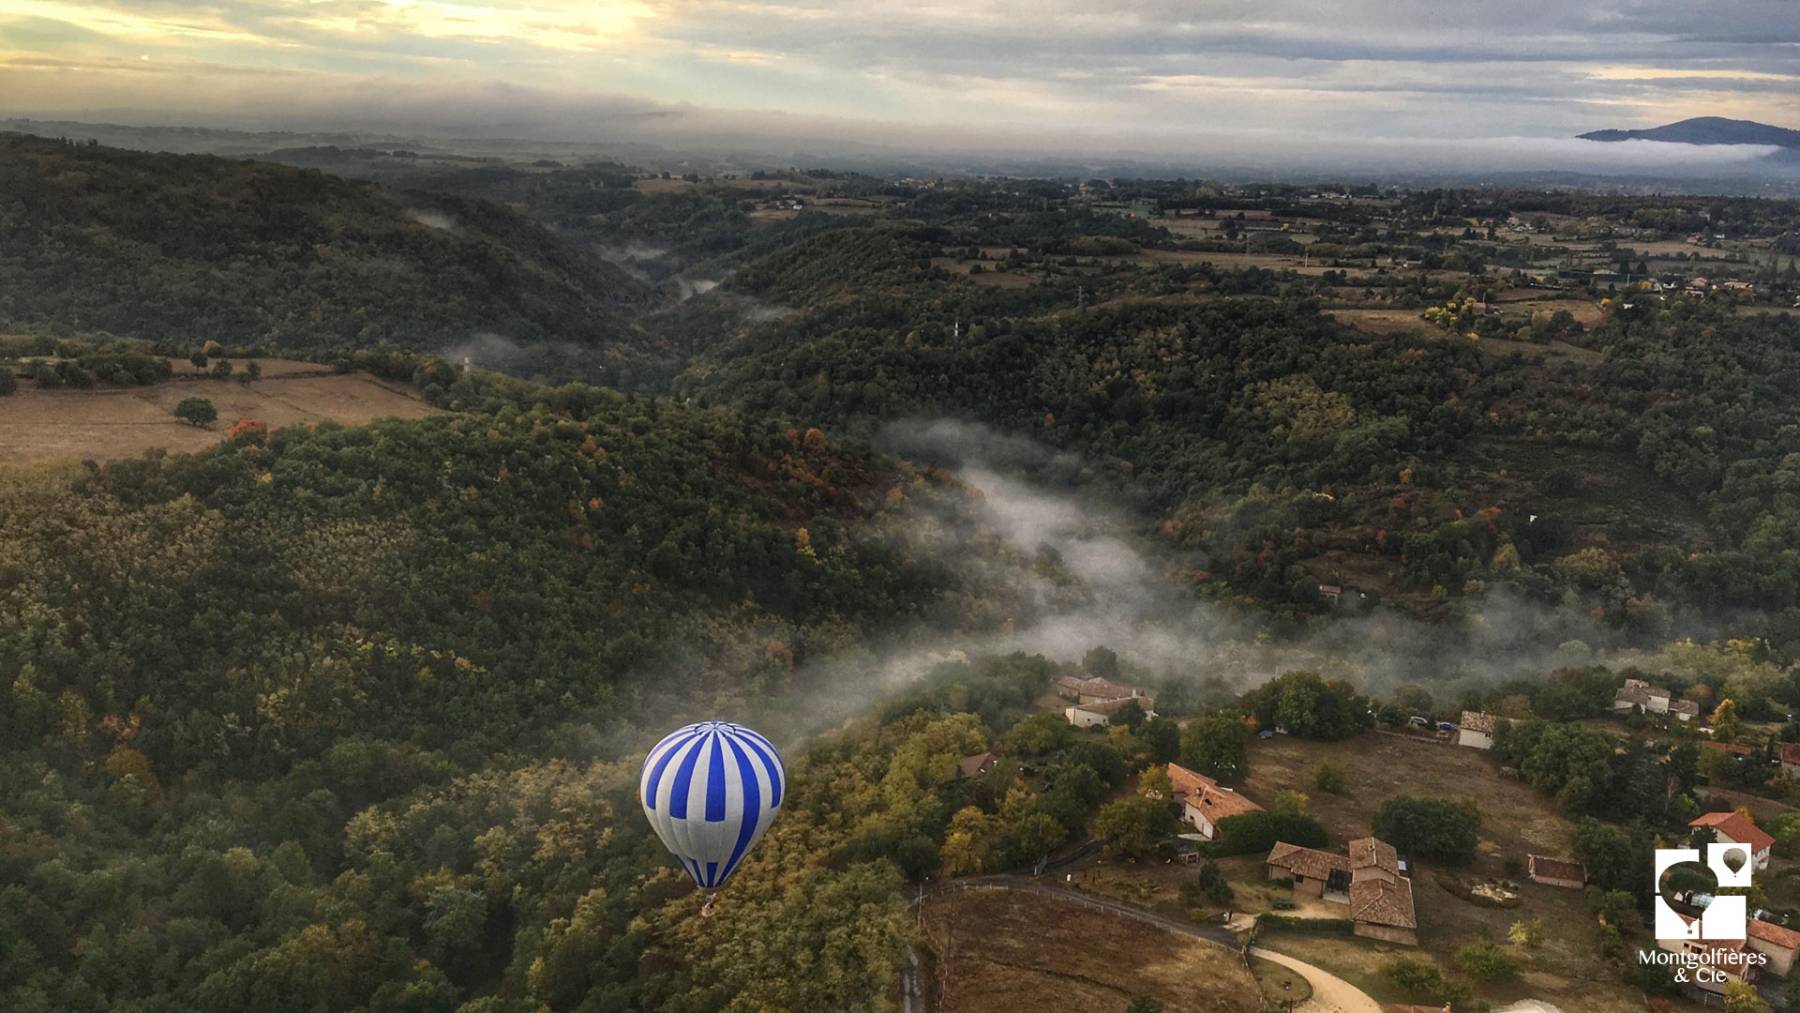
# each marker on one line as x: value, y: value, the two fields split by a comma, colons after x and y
x: 1331, y: 994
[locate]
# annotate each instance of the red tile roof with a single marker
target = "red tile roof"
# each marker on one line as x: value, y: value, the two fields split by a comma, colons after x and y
x: 1310, y: 863
x: 1790, y: 752
x: 1555, y: 868
x: 1104, y: 687
x: 1736, y: 826
x: 1373, y: 851
x: 1478, y: 721
x: 1207, y: 795
x: 1780, y: 935
x: 1381, y: 902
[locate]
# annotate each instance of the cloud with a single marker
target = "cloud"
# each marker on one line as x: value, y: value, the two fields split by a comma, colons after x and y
x: 1134, y: 69
x: 1085, y: 574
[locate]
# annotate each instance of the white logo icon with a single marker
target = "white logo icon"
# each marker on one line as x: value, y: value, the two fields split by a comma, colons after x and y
x: 1727, y: 917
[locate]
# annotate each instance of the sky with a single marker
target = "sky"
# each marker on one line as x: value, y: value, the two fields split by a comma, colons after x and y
x: 1152, y: 75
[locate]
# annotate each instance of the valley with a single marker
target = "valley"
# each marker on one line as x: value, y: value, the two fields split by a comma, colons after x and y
x: 337, y: 697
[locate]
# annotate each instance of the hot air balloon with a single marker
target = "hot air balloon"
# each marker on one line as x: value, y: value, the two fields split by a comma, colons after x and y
x: 710, y: 791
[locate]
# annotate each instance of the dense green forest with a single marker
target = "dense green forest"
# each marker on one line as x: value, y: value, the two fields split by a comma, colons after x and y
x: 276, y: 713
x: 198, y: 248
x: 332, y: 718
x: 1267, y: 433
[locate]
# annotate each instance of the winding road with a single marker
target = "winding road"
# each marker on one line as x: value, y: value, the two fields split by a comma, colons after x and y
x: 1331, y: 994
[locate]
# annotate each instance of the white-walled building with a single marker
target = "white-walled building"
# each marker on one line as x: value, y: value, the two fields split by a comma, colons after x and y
x: 1476, y: 730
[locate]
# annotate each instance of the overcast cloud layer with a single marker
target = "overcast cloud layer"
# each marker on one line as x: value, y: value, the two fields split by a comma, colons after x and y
x: 1156, y: 76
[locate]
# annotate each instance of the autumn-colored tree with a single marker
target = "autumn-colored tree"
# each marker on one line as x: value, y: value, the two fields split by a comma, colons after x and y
x: 1153, y: 782
x: 969, y: 844
x: 1725, y: 724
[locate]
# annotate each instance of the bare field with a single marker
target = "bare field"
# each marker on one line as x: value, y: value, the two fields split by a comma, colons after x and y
x: 1189, y: 225
x: 1377, y: 766
x: 106, y: 424
x: 1233, y: 260
x: 1586, y: 312
x: 662, y: 185
x: 989, y: 274
x: 1380, y: 320
x: 1553, y: 352
x: 1007, y: 950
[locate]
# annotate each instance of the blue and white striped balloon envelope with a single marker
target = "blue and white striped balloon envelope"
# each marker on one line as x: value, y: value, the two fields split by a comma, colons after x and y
x: 710, y: 791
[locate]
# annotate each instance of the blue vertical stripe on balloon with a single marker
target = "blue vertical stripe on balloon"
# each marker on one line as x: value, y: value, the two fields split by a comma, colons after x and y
x: 772, y: 764
x: 684, y: 778
x: 753, y: 814
x: 715, y: 780
x: 661, y: 764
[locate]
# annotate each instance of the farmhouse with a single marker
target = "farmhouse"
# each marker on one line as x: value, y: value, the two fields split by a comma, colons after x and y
x: 977, y: 765
x: 1315, y: 873
x: 1381, y: 900
x: 1204, y: 802
x: 1094, y: 690
x: 1555, y: 872
x: 1083, y: 717
x: 1099, y: 714
x: 1099, y: 690
x: 1639, y: 695
x: 1737, y: 828
x: 1685, y: 710
x: 1476, y: 730
x: 1369, y: 880
x: 1777, y: 942
x: 1097, y: 699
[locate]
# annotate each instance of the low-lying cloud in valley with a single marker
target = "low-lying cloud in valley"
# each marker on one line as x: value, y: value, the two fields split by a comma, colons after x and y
x: 1088, y: 573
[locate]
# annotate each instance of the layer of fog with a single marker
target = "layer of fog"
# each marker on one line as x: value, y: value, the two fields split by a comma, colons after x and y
x: 432, y: 219
x: 687, y: 288
x: 1082, y: 572
x: 524, y: 123
x: 487, y: 350
x: 1135, y: 602
x: 1053, y: 569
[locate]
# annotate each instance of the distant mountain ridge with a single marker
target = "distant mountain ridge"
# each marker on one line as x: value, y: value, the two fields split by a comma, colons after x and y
x: 1705, y: 130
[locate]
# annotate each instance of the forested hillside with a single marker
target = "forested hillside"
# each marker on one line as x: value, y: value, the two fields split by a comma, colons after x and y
x: 197, y: 248
x: 1631, y: 463
x: 340, y: 718
x: 1639, y: 478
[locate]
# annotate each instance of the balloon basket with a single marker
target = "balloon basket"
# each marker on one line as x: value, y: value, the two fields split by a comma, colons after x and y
x: 706, y: 910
